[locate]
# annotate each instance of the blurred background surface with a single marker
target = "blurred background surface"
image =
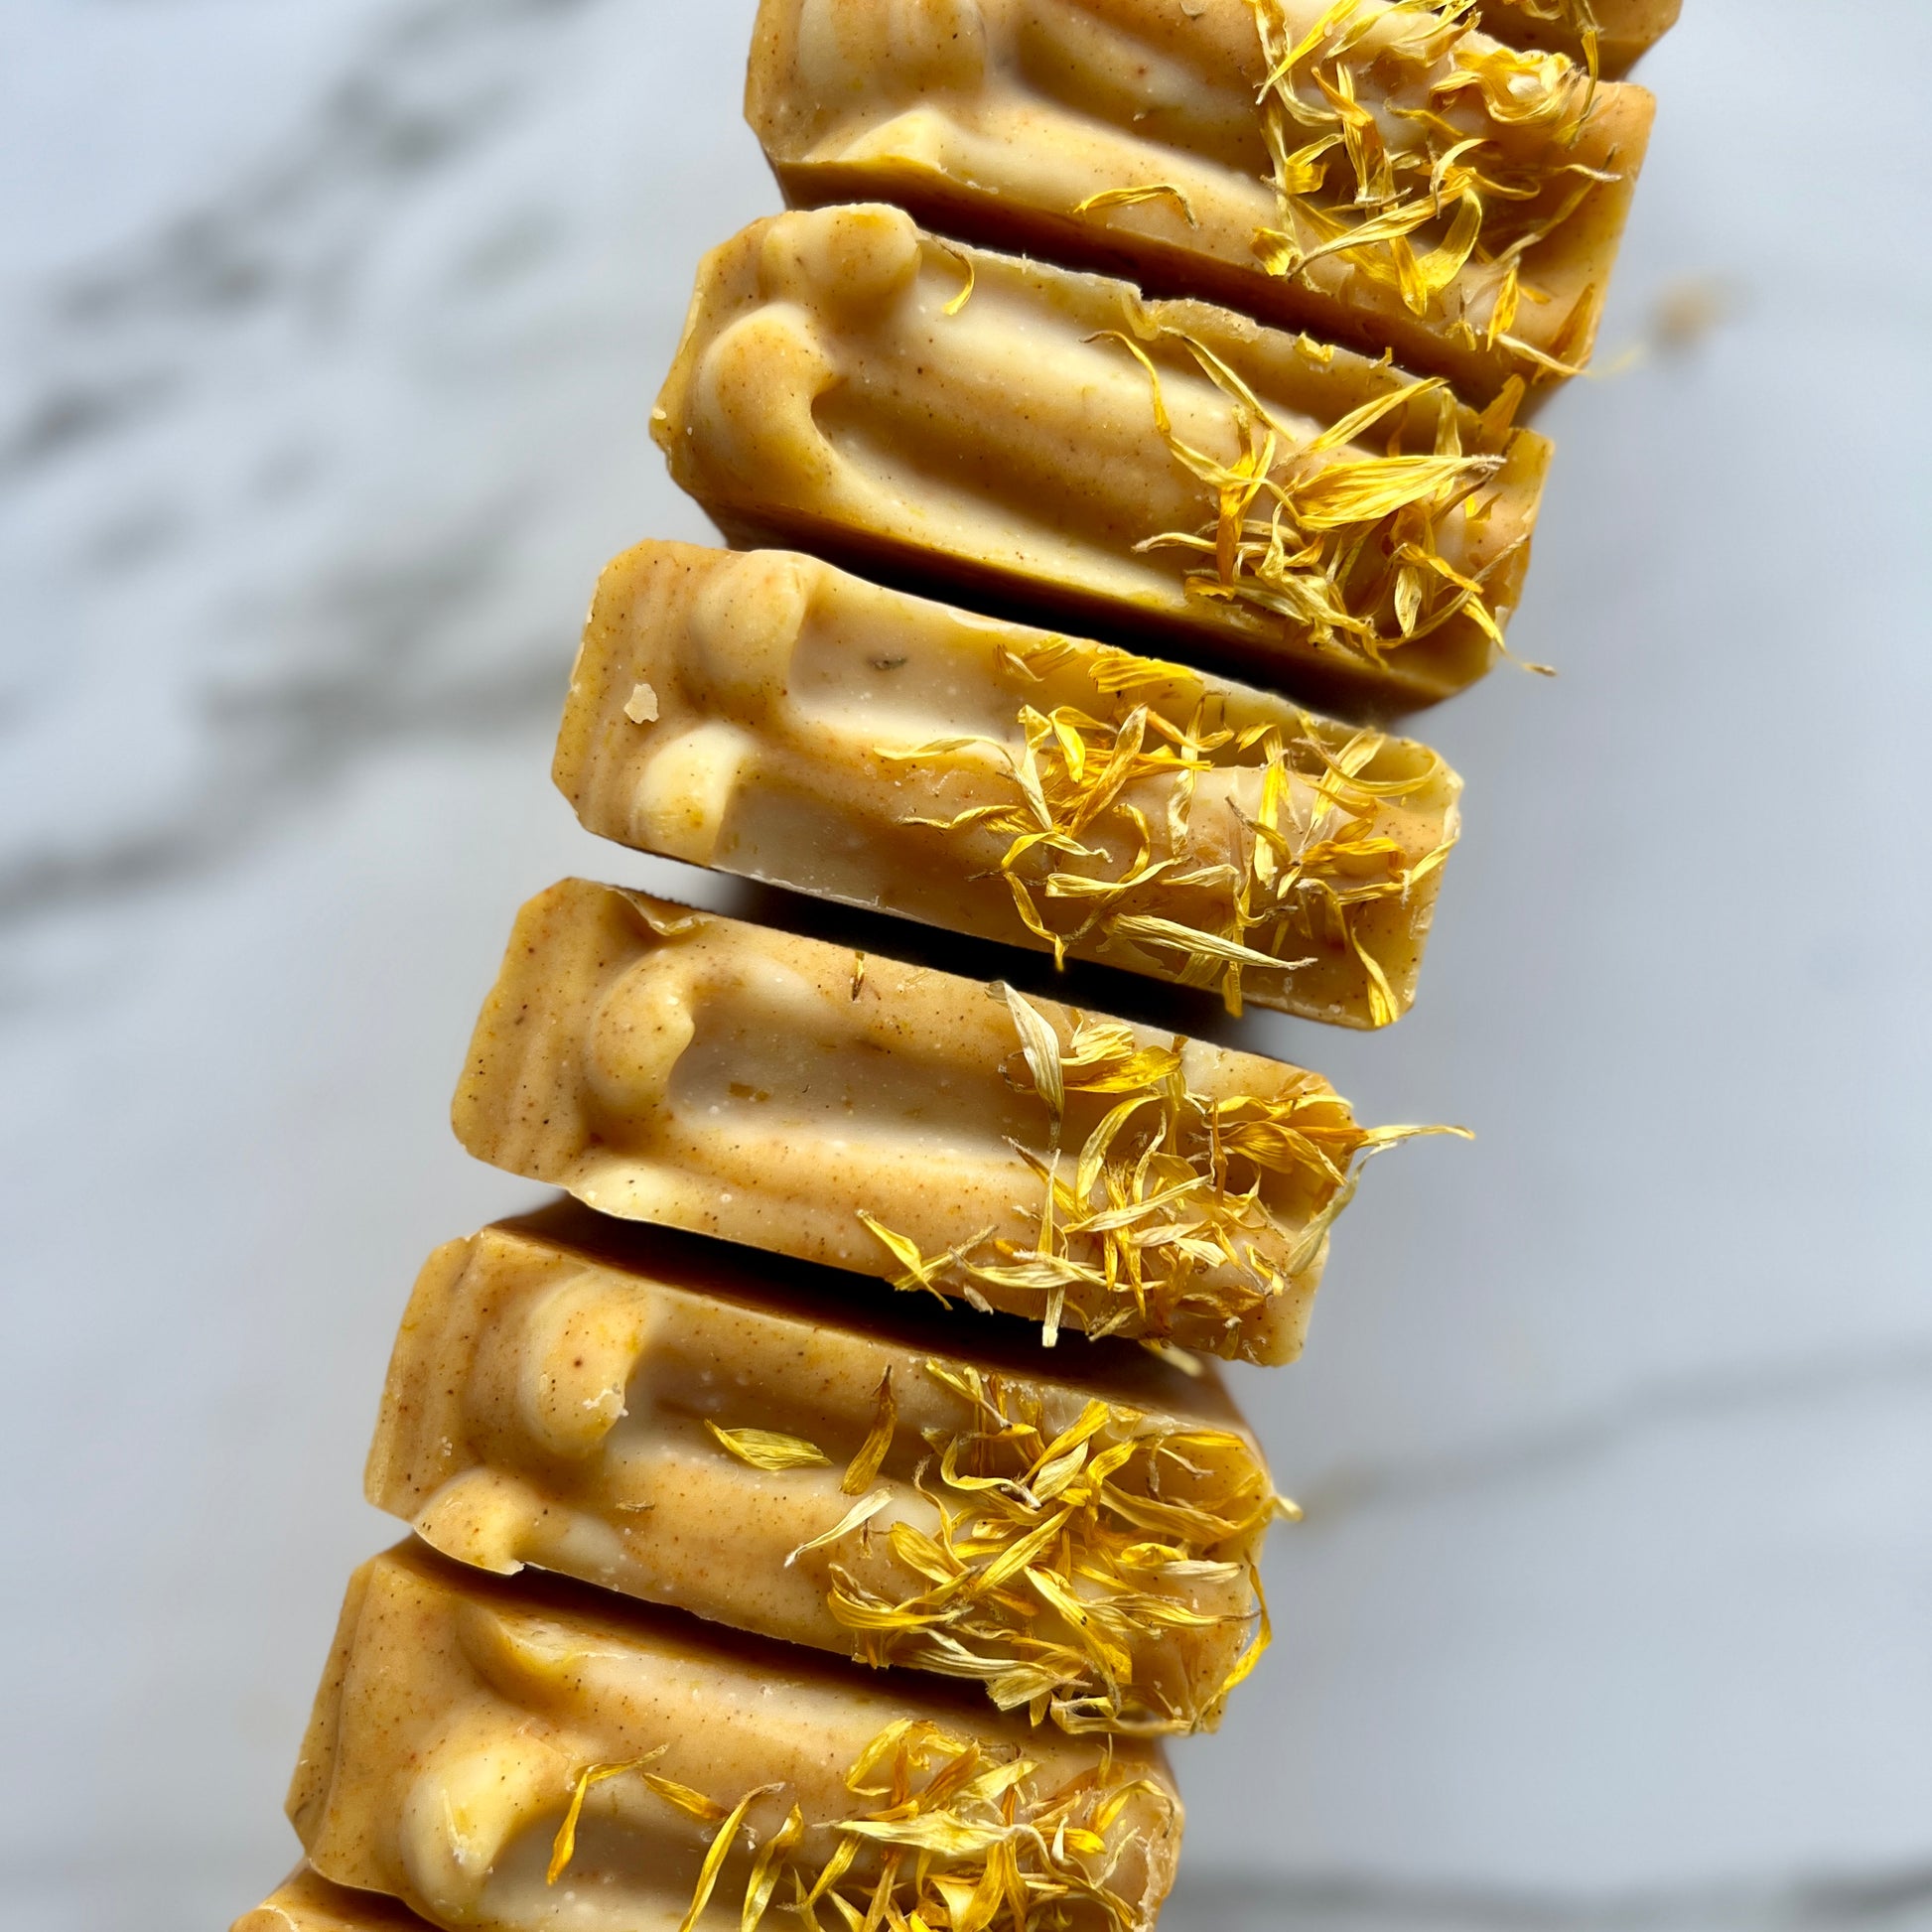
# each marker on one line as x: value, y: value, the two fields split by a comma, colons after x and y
x: 329, y: 336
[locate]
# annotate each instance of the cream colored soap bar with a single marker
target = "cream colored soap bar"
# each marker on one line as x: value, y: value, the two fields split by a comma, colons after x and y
x: 1166, y: 470
x: 534, y: 1756
x: 774, y: 717
x: 1369, y: 170
x: 642, y: 1411
x: 307, y: 1902
x: 674, y: 1066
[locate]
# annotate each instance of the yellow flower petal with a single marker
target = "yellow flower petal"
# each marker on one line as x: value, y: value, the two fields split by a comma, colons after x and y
x: 766, y: 1448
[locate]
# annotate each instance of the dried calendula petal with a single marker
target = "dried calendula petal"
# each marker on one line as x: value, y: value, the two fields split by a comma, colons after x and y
x: 872, y: 1451
x: 719, y: 1850
x: 1041, y: 1046
x: 563, y: 1846
x: 1137, y: 196
x: 1103, y: 806
x: 1292, y: 536
x: 861, y: 1513
x: 1162, y: 1188
x: 1442, y: 217
x: 767, y: 1448
x: 1082, y: 1544
x: 462, y: 1717
x: 774, y: 1856
x: 632, y: 1053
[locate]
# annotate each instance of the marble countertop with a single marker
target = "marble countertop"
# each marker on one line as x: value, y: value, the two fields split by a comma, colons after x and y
x: 330, y: 335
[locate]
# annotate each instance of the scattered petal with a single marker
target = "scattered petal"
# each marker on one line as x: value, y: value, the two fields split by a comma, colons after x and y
x: 766, y: 1448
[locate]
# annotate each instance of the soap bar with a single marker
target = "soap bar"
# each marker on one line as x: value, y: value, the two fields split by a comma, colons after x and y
x: 1371, y: 171
x: 1162, y: 471
x: 307, y: 1902
x: 642, y: 1411
x: 675, y: 1067
x: 772, y: 716
x: 1616, y: 30
x: 517, y: 1758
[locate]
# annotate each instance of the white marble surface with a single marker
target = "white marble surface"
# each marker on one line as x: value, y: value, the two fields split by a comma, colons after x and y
x: 330, y: 333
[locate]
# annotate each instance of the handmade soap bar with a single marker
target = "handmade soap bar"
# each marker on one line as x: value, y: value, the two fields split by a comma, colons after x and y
x: 1380, y: 171
x: 1166, y: 471
x: 674, y: 1066
x: 642, y: 1411
x: 531, y: 1756
x: 1615, y: 31
x: 774, y: 717
x: 307, y: 1902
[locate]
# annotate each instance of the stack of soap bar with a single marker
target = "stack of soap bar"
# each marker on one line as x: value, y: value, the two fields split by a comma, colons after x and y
x: 1161, y: 470
x: 776, y: 718
x: 527, y: 1756
x: 642, y: 1411
x: 828, y: 1511
x: 1405, y: 183
x: 670, y: 1065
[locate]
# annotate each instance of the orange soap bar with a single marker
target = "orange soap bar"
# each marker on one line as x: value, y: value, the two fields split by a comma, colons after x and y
x: 774, y: 717
x: 1078, y: 1532
x: 1371, y: 172
x: 670, y: 1065
x: 518, y: 1757
x: 1164, y: 473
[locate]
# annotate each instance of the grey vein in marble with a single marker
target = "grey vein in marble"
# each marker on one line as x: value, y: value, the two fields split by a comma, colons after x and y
x: 1550, y: 1449
x: 438, y: 80
x: 275, y: 743
x: 121, y: 365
